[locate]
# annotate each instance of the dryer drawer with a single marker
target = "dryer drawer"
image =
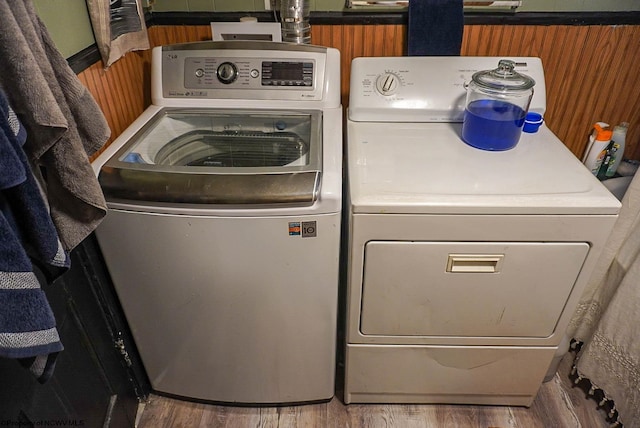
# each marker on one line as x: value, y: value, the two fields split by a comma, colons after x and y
x: 500, y: 375
x: 467, y: 289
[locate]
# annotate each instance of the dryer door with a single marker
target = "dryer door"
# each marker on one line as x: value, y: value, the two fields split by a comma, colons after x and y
x: 467, y: 289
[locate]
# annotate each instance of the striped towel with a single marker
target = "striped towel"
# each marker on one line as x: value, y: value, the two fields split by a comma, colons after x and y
x: 27, y: 325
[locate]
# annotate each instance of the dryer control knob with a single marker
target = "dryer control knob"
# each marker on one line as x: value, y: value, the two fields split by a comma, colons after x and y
x: 387, y: 83
x: 227, y: 72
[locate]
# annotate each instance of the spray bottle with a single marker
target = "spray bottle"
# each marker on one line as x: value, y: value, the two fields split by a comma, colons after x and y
x: 597, y: 150
x: 592, y: 138
x: 617, y: 149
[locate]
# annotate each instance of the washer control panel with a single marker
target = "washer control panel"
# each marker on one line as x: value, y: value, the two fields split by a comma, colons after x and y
x: 254, y: 73
x: 243, y: 71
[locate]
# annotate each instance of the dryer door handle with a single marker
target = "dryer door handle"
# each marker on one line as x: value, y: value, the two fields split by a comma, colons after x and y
x: 474, y: 263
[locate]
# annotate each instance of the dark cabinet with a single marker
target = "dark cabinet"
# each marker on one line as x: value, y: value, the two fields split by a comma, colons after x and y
x: 98, y: 379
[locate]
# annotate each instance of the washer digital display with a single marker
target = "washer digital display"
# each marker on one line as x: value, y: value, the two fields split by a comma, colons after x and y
x: 286, y: 73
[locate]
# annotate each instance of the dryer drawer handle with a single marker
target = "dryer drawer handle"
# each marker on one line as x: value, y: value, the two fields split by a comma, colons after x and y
x: 474, y: 263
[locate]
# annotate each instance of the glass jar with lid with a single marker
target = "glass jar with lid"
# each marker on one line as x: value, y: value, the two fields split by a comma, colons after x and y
x: 496, y: 105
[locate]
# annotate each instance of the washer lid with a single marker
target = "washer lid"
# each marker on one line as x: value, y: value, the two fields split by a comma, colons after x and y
x: 208, y: 156
x: 427, y: 168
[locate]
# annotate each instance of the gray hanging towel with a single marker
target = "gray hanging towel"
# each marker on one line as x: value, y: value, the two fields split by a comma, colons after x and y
x: 435, y: 27
x: 64, y: 123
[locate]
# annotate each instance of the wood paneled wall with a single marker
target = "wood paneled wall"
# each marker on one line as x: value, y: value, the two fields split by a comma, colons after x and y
x: 122, y: 91
x: 591, y: 72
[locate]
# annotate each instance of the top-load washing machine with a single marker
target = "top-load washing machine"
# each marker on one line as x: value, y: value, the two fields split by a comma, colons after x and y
x: 464, y: 266
x: 223, y: 227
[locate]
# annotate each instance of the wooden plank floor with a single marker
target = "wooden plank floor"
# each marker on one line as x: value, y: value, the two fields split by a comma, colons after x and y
x: 558, y: 404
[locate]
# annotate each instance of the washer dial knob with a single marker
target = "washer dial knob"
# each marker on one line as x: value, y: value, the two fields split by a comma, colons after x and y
x: 387, y: 83
x: 227, y: 72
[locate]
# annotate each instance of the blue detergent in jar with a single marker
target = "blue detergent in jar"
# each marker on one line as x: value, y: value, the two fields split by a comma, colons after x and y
x: 496, y: 107
x: 492, y: 124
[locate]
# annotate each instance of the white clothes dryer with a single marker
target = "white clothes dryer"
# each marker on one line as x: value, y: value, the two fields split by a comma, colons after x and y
x: 464, y: 266
x: 223, y: 228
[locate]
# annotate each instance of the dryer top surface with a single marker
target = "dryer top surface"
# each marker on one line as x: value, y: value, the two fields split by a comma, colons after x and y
x: 427, y: 168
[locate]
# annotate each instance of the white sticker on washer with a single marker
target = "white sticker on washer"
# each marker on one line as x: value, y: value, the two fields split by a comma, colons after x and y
x: 306, y: 229
x: 309, y: 229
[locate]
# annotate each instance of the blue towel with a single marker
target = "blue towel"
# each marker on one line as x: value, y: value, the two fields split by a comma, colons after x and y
x: 27, y: 325
x: 435, y: 27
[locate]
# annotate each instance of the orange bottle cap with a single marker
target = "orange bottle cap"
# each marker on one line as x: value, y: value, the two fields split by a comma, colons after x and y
x: 604, y: 135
